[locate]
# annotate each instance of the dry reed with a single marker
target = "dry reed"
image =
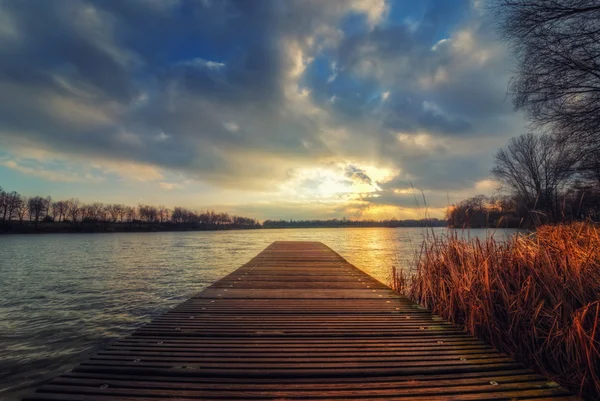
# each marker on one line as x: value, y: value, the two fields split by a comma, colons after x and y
x: 536, y: 297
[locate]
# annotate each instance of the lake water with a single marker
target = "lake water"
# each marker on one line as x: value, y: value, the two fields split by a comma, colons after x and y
x: 63, y: 296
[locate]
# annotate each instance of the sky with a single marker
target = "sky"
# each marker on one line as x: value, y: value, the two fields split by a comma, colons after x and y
x: 271, y: 109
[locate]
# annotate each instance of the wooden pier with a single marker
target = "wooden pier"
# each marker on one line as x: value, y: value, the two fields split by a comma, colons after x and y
x: 298, y: 322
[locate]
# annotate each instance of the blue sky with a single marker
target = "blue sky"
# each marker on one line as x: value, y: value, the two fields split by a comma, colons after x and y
x: 275, y: 109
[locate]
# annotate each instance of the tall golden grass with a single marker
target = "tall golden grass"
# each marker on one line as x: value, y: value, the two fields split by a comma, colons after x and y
x: 536, y: 297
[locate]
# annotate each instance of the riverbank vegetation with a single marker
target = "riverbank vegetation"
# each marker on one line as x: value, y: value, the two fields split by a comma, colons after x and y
x: 536, y: 297
x: 37, y: 214
x: 22, y: 214
x: 341, y: 223
x: 542, y: 179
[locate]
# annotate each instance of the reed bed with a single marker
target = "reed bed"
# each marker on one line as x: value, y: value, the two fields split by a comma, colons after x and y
x: 536, y: 297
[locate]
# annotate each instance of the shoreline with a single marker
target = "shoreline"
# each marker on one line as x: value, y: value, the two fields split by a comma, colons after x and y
x: 102, y: 227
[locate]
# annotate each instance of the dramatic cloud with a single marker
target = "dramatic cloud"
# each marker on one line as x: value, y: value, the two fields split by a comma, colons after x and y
x: 275, y: 99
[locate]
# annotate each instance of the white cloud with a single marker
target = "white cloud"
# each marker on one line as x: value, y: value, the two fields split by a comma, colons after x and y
x: 202, y: 63
x: 334, y: 73
x: 439, y: 43
x: 486, y: 185
x: 375, y: 10
x: 169, y: 186
x: 44, y: 172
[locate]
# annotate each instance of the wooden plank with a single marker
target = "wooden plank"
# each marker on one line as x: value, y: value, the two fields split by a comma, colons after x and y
x: 298, y: 322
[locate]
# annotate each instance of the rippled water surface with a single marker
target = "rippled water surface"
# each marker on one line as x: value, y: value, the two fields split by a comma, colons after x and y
x: 62, y: 296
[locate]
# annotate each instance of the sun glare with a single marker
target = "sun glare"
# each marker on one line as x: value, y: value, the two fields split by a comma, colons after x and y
x: 336, y: 182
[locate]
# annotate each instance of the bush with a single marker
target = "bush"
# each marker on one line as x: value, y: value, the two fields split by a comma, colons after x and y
x: 536, y: 297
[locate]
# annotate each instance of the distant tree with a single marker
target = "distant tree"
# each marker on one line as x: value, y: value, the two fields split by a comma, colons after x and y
x: 93, y: 211
x: 162, y: 213
x: 148, y: 213
x: 503, y: 204
x: 2, y: 203
x: 115, y: 211
x: 61, y: 209
x: 152, y: 214
x: 47, y: 207
x: 55, y: 211
x: 177, y: 215
x: 204, y: 218
x: 481, y: 211
x: 242, y: 221
x: 222, y: 218
x: 471, y: 212
x: 37, y: 208
x: 101, y: 214
x: 75, y: 209
x: 131, y: 214
x: 13, y: 200
x: 22, y: 208
x: 557, y: 46
x: 535, y: 169
x: 122, y: 212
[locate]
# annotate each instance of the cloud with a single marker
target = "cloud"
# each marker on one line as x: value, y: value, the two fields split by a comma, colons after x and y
x: 357, y: 174
x: 244, y: 95
x: 169, y: 186
x: 36, y: 170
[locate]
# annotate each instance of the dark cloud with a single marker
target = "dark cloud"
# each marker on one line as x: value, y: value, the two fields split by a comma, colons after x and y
x: 357, y: 174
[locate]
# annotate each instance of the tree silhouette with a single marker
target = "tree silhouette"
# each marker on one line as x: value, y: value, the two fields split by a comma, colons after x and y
x: 557, y: 46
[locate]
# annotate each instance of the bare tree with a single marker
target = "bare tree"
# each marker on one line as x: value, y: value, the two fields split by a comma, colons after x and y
x: 557, y: 45
x: 223, y: 218
x: 176, y: 216
x: 122, y: 212
x: 535, y: 169
x: 131, y: 214
x: 62, y: 208
x: 37, y: 208
x: 47, y: 207
x: 148, y: 213
x: 93, y: 211
x: 101, y: 214
x: 13, y: 201
x: 115, y: 211
x: 74, y: 210
x: 3, y: 204
x: 22, y: 208
x: 55, y: 211
x: 162, y: 212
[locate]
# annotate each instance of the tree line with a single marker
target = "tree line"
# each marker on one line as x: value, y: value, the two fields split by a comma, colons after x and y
x: 37, y: 209
x: 429, y: 222
x: 20, y: 213
x: 551, y: 174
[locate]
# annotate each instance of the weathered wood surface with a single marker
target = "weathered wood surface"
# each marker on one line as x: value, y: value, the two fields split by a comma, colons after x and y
x: 299, y: 322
